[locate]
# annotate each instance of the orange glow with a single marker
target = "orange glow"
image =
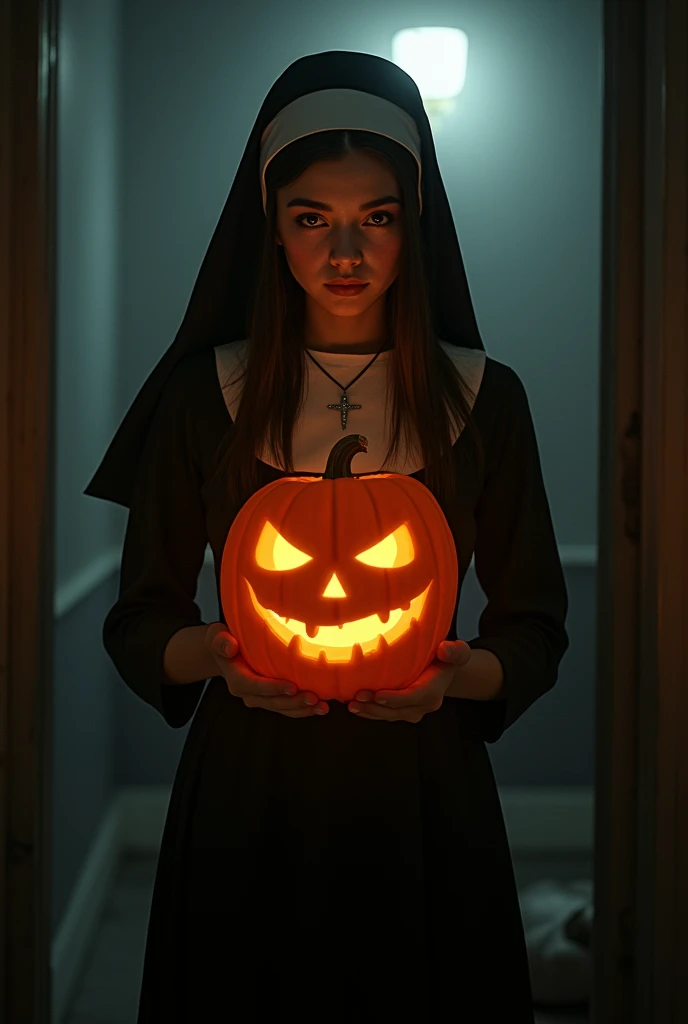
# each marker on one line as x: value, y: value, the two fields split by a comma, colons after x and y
x: 338, y: 642
x: 340, y: 582
x: 276, y: 553
x: 334, y: 587
x: 392, y: 551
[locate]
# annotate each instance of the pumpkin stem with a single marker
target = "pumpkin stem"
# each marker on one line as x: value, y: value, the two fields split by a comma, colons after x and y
x: 339, y: 459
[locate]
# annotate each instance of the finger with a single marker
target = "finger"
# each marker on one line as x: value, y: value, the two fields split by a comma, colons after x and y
x: 392, y: 699
x: 457, y: 651
x: 273, y: 688
x: 302, y: 713
x: 248, y: 683
x: 419, y: 695
x: 302, y: 710
x: 373, y: 711
x: 220, y: 641
x: 397, y: 715
x: 302, y: 701
x: 226, y: 645
x: 300, y: 706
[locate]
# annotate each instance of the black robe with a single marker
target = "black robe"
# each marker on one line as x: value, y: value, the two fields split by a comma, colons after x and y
x: 335, y: 868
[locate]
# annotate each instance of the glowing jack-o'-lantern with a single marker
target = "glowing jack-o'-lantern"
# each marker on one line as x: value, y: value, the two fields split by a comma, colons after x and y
x: 339, y: 582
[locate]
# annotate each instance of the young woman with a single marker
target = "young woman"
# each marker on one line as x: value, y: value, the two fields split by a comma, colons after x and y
x: 335, y: 861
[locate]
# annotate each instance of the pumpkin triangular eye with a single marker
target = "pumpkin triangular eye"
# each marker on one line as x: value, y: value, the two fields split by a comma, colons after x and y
x: 394, y: 550
x: 273, y: 551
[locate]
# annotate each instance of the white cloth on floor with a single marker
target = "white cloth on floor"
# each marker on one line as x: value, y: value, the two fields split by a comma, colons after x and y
x: 557, y: 920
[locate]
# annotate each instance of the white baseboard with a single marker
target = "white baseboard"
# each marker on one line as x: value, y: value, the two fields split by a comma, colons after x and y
x: 540, y: 822
x: 544, y: 821
x: 80, y: 584
x: 81, y: 920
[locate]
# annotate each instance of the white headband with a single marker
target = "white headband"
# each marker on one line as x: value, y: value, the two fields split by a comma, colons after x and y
x: 338, y: 108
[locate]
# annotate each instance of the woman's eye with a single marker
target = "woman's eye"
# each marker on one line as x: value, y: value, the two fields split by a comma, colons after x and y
x: 300, y: 220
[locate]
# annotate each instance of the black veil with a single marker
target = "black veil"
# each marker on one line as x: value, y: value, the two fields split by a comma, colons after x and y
x: 217, y: 311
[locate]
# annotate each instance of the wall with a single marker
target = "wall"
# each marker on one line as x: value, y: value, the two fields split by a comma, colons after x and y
x: 145, y: 172
x: 88, y: 362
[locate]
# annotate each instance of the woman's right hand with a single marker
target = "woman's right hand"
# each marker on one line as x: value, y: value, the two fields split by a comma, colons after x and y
x: 255, y: 690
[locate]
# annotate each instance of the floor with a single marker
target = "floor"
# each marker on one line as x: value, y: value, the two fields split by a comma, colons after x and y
x: 109, y: 987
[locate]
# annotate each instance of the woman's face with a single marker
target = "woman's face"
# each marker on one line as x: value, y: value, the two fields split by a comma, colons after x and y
x: 339, y: 239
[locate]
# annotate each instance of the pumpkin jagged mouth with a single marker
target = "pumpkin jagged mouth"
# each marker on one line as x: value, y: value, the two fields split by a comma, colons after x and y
x: 338, y: 642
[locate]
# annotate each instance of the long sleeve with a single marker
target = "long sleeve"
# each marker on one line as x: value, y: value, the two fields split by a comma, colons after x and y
x: 518, y: 566
x: 163, y: 553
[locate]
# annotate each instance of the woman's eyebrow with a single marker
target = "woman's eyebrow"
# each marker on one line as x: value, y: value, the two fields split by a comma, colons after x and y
x: 316, y: 205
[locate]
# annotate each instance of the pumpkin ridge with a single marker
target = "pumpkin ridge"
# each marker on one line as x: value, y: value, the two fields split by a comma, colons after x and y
x: 378, y: 523
x: 427, y: 498
x: 275, y: 670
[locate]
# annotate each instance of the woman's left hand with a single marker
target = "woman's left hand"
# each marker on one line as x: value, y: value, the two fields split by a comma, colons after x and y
x: 416, y: 700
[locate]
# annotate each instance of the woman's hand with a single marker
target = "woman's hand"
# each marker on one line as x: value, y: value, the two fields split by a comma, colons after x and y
x: 257, y: 691
x: 416, y: 700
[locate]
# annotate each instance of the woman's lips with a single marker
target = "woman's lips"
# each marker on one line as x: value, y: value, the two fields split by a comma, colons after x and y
x: 347, y: 289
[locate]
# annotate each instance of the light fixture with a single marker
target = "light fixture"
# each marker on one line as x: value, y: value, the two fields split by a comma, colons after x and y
x: 436, y: 59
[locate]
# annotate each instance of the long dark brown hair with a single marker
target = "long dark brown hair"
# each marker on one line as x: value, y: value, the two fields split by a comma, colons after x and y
x: 425, y: 383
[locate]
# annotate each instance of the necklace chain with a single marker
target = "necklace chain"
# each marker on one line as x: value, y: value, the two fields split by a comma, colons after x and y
x: 343, y: 405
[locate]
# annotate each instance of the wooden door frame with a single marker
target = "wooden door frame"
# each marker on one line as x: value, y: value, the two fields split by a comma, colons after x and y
x: 641, y: 807
x: 641, y: 798
x: 28, y: 90
x: 619, y: 513
x: 661, y: 840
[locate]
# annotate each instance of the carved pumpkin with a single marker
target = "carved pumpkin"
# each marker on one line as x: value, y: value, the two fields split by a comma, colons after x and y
x: 340, y: 583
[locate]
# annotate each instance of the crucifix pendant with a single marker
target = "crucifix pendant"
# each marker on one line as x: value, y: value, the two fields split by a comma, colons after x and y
x: 343, y: 406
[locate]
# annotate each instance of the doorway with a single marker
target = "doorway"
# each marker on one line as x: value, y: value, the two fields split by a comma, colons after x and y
x: 641, y: 785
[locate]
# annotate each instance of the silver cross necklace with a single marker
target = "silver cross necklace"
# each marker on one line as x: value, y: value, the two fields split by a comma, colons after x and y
x: 343, y: 405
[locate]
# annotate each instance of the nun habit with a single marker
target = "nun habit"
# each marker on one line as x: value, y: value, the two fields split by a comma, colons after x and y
x: 329, y: 868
